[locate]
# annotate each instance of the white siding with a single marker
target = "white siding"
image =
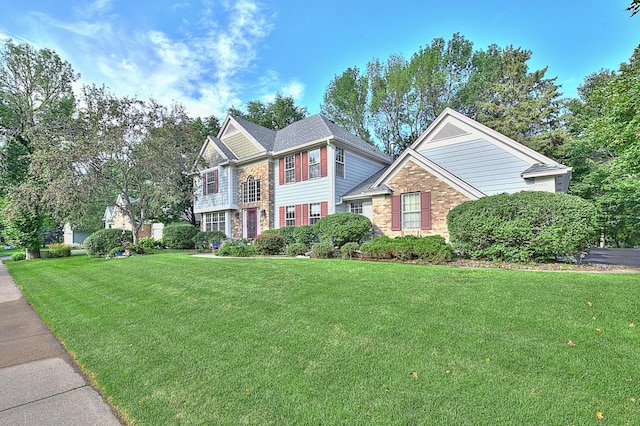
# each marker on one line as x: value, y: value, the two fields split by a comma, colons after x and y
x: 487, y: 167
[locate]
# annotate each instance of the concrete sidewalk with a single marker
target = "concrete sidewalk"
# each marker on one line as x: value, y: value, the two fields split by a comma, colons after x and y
x: 39, y: 382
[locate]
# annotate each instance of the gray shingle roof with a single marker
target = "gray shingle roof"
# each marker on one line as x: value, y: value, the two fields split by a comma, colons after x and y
x: 364, y: 188
x: 265, y: 137
x: 224, y: 148
x: 545, y: 168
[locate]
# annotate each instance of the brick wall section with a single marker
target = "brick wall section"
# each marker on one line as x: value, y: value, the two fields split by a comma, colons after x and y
x: 413, y: 178
x: 264, y: 172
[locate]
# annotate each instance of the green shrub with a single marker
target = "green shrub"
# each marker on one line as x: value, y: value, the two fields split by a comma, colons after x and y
x: 287, y: 233
x: 305, y: 234
x: 296, y: 249
x: 179, y: 236
x: 269, y: 244
x: 148, y: 243
x: 203, y: 239
x: 431, y: 249
x: 323, y: 250
x: 236, y: 248
x: 342, y: 228
x: 378, y: 248
x: 101, y: 242
x: 523, y: 227
x: 18, y: 256
x: 349, y: 250
x: 59, y: 250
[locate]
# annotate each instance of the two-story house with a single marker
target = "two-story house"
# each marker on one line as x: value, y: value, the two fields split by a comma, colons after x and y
x: 251, y: 178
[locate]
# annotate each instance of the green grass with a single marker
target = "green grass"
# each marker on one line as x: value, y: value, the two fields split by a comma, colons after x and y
x: 4, y: 252
x: 174, y: 339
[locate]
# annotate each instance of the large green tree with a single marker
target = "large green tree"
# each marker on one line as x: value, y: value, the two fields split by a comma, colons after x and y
x: 36, y: 101
x: 605, y: 149
x: 122, y: 145
x: 397, y: 99
x: 275, y: 115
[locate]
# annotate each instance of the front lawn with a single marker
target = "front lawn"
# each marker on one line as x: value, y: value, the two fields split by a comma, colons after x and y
x: 174, y: 339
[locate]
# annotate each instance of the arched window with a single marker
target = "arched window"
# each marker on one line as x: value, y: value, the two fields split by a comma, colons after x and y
x: 251, y: 190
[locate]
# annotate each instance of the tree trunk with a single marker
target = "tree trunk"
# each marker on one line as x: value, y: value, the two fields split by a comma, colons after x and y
x: 32, y: 254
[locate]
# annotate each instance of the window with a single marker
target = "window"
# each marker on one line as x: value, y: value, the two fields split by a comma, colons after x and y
x: 210, y: 182
x: 356, y: 207
x: 251, y: 190
x: 214, y: 221
x: 290, y: 169
x: 314, y: 163
x: 340, y: 163
x: 290, y: 216
x: 411, y: 210
x: 314, y: 213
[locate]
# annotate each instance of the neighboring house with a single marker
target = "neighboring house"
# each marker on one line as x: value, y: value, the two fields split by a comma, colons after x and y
x: 456, y: 159
x: 73, y: 237
x: 253, y: 178
x: 114, y: 217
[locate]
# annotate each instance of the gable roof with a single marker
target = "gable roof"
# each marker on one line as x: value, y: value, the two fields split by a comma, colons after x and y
x: 440, y: 172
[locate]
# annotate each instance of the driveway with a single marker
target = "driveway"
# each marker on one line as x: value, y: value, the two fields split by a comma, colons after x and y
x: 613, y: 256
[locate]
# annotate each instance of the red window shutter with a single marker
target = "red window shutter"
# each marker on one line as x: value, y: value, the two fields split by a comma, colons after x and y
x: 298, y: 168
x: 395, y: 213
x: 204, y: 184
x: 305, y: 214
x: 305, y: 165
x: 324, y: 208
x: 425, y: 210
x: 282, y: 217
x: 215, y: 181
x: 298, y: 214
x: 323, y: 161
x: 281, y: 170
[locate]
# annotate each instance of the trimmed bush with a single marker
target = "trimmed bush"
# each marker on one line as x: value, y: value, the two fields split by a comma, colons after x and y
x: 18, y: 256
x: 342, y: 228
x: 431, y: 249
x: 148, y: 243
x: 523, y: 227
x: 296, y: 249
x: 203, y: 239
x: 349, y: 250
x: 305, y: 234
x: 59, y: 250
x: 269, y: 244
x: 287, y: 233
x: 101, y: 242
x: 323, y: 250
x: 179, y: 236
x: 236, y: 248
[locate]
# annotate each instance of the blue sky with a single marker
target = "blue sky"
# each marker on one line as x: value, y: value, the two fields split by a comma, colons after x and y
x: 211, y: 54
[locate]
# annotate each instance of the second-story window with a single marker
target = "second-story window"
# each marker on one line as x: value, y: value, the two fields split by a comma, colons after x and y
x: 340, y: 163
x: 210, y: 182
x: 314, y: 163
x: 251, y: 190
x: 289, y: 169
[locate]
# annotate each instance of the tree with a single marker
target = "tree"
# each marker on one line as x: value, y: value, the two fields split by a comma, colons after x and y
x: 36, y: 100
x: 605, y: 149
x: 275, y: 115
x: 634, y: 7
x: 139, y: 150
x: 346, y: 102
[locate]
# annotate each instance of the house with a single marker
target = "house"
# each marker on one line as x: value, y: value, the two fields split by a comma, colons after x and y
x: 252, y: 178
x: 73, y: 237
x: 114, y: 217
x: 456, y: 159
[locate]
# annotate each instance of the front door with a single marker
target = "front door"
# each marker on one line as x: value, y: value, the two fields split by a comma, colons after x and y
x: 252, y: 223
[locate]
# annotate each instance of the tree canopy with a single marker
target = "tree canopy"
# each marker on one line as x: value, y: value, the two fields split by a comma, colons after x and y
x: 275, y: 115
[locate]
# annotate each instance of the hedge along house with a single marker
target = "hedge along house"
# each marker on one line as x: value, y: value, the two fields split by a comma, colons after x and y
x: 250, y: 178
x: 456, y: 159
